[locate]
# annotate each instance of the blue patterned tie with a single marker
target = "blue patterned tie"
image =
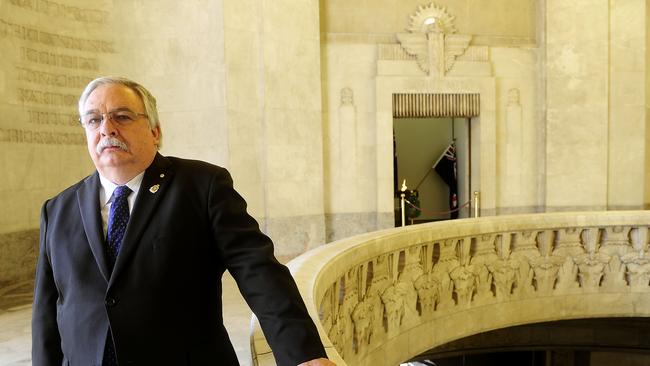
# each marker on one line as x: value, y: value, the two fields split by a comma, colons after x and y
x: 118, y: 218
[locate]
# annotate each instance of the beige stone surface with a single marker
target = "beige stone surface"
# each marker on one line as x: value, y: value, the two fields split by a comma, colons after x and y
x: 517, y: 140
x: 627, y: 125
x: 348, y: 189
x: 15, y: 337
x: 274, y: 111
x: 184, y: 67
x: 577, y: 99
x: 500, y: 18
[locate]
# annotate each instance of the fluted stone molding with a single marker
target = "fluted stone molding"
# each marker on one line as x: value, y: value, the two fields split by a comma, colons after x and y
x: 447, y: 105
x: 384, y: 297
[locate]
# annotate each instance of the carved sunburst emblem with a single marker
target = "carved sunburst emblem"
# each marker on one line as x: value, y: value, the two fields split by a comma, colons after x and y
x: 432, y: 19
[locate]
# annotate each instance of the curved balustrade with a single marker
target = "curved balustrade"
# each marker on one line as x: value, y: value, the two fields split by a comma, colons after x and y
x: 387, y: 296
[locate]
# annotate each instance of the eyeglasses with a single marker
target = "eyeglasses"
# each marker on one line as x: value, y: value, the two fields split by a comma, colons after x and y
x: 92, y: 121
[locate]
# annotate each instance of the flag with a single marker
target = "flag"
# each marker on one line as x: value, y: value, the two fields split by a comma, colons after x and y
x: 446, y: 169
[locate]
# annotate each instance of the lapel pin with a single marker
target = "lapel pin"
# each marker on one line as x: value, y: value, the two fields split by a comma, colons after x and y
x: 154, y: 188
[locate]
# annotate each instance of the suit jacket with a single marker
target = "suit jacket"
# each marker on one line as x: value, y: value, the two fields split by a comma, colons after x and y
x: 162, y: 300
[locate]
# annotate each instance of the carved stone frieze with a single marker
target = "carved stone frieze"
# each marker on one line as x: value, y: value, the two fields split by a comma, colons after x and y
x: 396, y: 291
x: 431, y: 40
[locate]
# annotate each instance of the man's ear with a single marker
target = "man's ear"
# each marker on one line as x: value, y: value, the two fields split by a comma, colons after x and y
x: 157, y: 135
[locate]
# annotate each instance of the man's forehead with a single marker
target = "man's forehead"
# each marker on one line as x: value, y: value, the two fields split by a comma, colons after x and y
x: 113, y: 109
x: 115, y: 95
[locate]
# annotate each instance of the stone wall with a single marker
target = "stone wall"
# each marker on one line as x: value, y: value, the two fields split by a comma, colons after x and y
x: 501, y: 19
x: 50, y: 50
x: 627, y: 108
x: 595, y: 105
x: 506, y: 137
x: 570, y: 107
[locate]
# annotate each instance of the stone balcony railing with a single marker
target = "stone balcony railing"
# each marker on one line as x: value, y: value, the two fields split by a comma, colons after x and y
x: 384, y: 297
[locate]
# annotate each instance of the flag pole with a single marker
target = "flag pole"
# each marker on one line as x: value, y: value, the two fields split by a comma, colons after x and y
x: 402, y: 205
x: 442, y: 155
x: 434, y: 164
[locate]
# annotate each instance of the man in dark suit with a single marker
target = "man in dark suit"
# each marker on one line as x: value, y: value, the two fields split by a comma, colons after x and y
x: 131, y: 257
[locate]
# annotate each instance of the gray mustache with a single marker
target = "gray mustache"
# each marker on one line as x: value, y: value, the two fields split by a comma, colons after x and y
x: 110, y: 142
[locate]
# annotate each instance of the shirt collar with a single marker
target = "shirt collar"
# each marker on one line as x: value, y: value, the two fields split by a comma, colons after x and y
x: 106, y: 191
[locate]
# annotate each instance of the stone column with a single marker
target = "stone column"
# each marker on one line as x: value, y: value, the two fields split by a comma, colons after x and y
x: 577, y: 104
x: 627, y: 98
x: 272, y: 53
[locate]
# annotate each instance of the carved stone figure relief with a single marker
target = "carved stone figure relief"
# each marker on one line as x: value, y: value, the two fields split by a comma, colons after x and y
x: 567, y: 277
x: 614, y: 276
x: 525, y: 245
x: 375, y: 306
x: 406, y: 281
x: 616, y: 240
x: 485, y: 249
x: 637, y: 262
x: 362, y: 318
x: 465, y: 276
x: 428, y: 288
x: 504, y: 269
x: 568, y: 242
x: 547, y: 265
x: 638, y: 272
x: 344, y: 145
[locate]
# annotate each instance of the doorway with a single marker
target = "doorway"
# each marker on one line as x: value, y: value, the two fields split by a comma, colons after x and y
x: 419, y: 144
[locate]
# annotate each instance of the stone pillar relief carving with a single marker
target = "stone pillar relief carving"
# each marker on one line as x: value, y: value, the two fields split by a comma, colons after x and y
x: 347, y: 139
x: 431, y: 40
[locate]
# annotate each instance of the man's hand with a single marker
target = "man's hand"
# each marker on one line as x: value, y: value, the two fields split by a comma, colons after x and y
x: 318, y: 362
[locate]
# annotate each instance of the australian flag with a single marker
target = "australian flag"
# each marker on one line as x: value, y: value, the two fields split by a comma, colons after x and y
x: 446, y: 169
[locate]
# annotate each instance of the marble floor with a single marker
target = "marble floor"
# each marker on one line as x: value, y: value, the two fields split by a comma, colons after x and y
x: 15, y: 328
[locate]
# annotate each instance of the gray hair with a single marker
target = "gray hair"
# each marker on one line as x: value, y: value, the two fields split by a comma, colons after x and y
x: 147, y: 98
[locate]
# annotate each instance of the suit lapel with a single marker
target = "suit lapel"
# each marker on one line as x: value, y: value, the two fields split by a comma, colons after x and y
x: 88, y: 201
x: 154, y: 186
